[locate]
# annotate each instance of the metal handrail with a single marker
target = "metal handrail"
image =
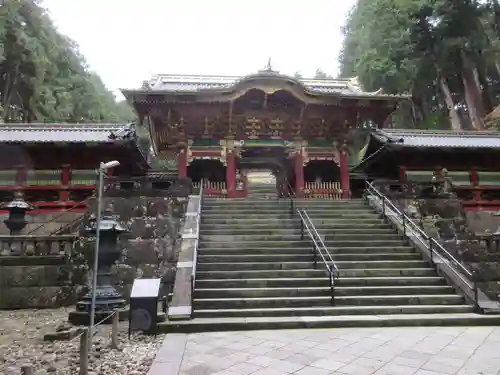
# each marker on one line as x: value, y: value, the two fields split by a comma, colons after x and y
x: 433, y: 246
x: 315, y: 232
x: 307, y: 224
x: 195, y: 251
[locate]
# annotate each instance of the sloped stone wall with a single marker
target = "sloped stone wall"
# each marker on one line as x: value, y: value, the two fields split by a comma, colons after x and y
x: 463, y: 234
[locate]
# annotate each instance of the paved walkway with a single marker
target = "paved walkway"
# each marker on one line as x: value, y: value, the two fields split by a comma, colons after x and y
x: 363, y: 351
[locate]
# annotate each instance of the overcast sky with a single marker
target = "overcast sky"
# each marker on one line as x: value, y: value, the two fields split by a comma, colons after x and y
x: 126, y: 41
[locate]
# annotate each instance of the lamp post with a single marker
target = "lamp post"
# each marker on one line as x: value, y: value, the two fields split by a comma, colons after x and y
x: 103, y: 167
x: 106, y: 230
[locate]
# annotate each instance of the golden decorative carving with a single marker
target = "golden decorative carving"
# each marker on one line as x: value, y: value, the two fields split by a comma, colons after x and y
x: 253, y: 127
x: 276, y: 127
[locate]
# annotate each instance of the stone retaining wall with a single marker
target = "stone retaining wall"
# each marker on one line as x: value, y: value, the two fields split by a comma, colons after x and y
x: 149, y: 250
x: 461, y: 233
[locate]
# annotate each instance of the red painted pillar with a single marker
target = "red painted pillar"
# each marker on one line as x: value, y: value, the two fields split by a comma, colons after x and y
x: 21, y: 176
x: 65, y: 180
x: 231, y: 174
x: 182, y: 163
x: 402, y: 174
x: 299, y: 174
x: 474, y: 177
x: 344, y: 172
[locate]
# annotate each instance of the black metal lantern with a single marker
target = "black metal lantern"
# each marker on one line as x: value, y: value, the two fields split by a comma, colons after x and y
x: 107, y: 297
x: 17, y: 214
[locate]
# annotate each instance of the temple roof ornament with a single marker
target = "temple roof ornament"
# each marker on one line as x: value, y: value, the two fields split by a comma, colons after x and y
x: 355, y: 85
x: 269, y: 69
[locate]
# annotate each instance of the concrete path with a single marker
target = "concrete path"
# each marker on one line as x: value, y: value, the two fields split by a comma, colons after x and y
x: 356, y: 351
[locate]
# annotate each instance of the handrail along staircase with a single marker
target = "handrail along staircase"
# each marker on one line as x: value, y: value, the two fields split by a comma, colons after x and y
x: 196, y: 245
x: 318, y: 246
x: 435, y: 249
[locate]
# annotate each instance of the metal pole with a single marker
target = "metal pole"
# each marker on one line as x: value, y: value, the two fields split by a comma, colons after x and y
x: 96, y: 252
x: 431, y: 251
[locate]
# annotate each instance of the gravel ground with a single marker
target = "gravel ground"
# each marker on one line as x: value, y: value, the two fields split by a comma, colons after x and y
x: 21, y: 341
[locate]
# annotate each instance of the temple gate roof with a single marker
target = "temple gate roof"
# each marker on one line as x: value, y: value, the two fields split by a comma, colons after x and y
x: 69, y: 133
x: 182, y: 84
x: 438, y: 138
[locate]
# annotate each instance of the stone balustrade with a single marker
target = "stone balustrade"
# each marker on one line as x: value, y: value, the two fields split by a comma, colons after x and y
x: 26, y: 245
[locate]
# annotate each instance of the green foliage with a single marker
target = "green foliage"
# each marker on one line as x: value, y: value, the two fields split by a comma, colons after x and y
x: 43, y: 76
x: 443, y: 52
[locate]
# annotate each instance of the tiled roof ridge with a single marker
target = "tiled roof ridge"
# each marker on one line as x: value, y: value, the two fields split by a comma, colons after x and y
x: 228, y: 78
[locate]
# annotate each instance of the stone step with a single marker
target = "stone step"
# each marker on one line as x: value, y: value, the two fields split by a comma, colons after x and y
x: 288, y: 224
x: 342, y: 265
x: 339, y: 291
x: 304, y: 250
x: 259, y: 274
x: 330, y: 231
x: 277, y: 211
x: 307, y: 256
x: 334, y: 238
x: 273, y: 204
x: 335, y: 311
x: 310, y: 273
x: 297, y: 201
x: 241, y: 258
x: 301, y: 244
x: 286, y: 219
x: 360, y: 300
x: 318, y: 282
x: 341, y: 321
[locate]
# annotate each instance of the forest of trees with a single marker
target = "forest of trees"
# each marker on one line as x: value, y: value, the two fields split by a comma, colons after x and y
x: 43, y: 76
x: 445, y: 53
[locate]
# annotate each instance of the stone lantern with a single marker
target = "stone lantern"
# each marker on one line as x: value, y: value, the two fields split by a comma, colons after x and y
x: 107, y: 297
x: 17, y: 214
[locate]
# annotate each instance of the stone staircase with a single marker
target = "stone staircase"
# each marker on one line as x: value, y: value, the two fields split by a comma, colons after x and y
x: 254, y: 271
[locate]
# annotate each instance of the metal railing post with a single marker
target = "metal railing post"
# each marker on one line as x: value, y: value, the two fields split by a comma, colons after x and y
x: 332, y: 283
x: 383, y: 206
x: 301, y: 230
x: 431, y: 251
x: 315, y: 256
x: 476, y: 295
x: 404, y: 223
